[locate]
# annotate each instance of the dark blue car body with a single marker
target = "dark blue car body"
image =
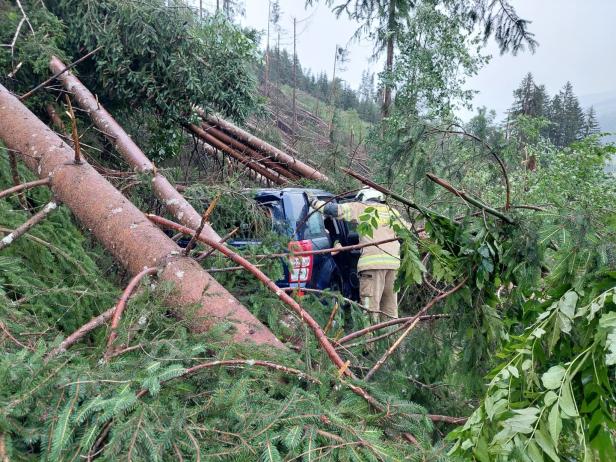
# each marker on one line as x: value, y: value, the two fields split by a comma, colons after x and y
x: 289, y: 208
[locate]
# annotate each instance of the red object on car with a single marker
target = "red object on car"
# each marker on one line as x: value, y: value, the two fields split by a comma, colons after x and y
x: 300, y: 270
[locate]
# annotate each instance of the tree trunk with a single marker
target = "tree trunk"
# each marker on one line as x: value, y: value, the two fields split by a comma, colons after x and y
x: 389, y: 62
x: 122, y: 228
x: 173, y: 201
x: 292, y: 163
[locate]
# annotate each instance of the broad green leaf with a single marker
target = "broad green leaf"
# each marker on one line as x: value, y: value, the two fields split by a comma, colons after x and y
x: 544, y: 441
x: 522, y: 421
x: 534, y: 453
x: 552, y: 379
x: 567, y: 403
x: 567, y: 304
x: 549, y: 398
x: 555, y: 424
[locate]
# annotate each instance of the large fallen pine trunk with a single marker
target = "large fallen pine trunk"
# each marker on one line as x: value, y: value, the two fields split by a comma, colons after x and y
x: 121, y: 227
x: 174, y: 202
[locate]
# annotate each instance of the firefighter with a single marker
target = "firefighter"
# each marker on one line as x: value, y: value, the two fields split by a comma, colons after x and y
x: 378, y: 265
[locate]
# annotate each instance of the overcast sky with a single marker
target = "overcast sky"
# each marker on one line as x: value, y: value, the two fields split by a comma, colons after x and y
x: 577, y: 43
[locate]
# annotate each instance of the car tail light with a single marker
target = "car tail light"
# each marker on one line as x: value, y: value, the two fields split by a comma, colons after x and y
x: 300, y: 266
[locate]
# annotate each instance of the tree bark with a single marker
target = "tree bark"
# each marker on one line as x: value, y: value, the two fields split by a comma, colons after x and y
x: 242, y: 148
x: 251, y: 163
x: 122, y: 228
x: 174, y: 202
x: 389, y: 60
x: 293, y: 164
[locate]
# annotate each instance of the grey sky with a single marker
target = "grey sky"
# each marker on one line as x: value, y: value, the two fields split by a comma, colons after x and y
x: 577, y: 43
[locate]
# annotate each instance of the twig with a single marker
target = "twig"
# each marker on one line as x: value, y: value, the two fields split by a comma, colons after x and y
x: 382, y: 189
x: 463, y: 132
x: 335, y: 295
x: 32, y: 221
x: 330, y: 321
x: 229, y: 269
x: 25, y: 16
x: 379, y: 326
x: 204, y: 219
x: 304, y: 253
x: 238, y: 363
x: 410, y: 325
x: 394, y: 332
x: 57, y: 74
x: 469, y: 199
x: 24, y: 186
x: 75, y: 134
x: 16, y: 180
x: 9, y: 335
x: 80, y: 333
x: 203, y: 255
x: 119, y: 308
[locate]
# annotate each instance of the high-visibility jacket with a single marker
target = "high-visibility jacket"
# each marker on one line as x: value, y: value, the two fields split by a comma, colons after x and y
x: 382, y: 256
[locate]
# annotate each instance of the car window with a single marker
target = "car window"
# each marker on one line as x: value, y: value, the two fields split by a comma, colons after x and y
x: 314, y: 227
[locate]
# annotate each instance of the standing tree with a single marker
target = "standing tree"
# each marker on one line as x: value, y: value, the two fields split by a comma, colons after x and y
x: 388, y: 20
x: 530, y: 99
x: 591, y: 127
x: 273, y: 19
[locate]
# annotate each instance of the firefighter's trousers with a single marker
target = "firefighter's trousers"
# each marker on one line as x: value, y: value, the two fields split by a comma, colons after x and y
x: 376, y: 291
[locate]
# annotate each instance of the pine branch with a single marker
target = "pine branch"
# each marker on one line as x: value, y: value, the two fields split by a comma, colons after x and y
x: 24, y: 228
x: 119, y: 308
x: 464, y: 196
x: 80, y: 333
x: 24, y: 186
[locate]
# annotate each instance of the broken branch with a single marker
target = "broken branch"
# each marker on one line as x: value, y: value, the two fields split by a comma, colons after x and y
x: 204, y: 219
x: 24, y: 186
x: 74, y: 133
x: 382, y: 189
x: 32, y: 221
x: 476, y: 202
x: 80, y: 333
x: 119, y: 308
x: 203, y: 255
x: 303, y: 314
x: 57, y: 74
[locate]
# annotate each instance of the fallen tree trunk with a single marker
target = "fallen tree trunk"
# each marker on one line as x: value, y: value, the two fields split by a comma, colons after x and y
x: 242, y: 148
x: 304, y: 170
x: 219, y: 157
x: 174, y: 202
x: 251, y: 163
x: 122, y: 228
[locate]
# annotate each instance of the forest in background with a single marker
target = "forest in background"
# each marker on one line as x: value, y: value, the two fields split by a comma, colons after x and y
x: 518, y: 362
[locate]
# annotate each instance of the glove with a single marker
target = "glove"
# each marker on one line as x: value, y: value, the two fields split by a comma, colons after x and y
x: 312, y: 199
